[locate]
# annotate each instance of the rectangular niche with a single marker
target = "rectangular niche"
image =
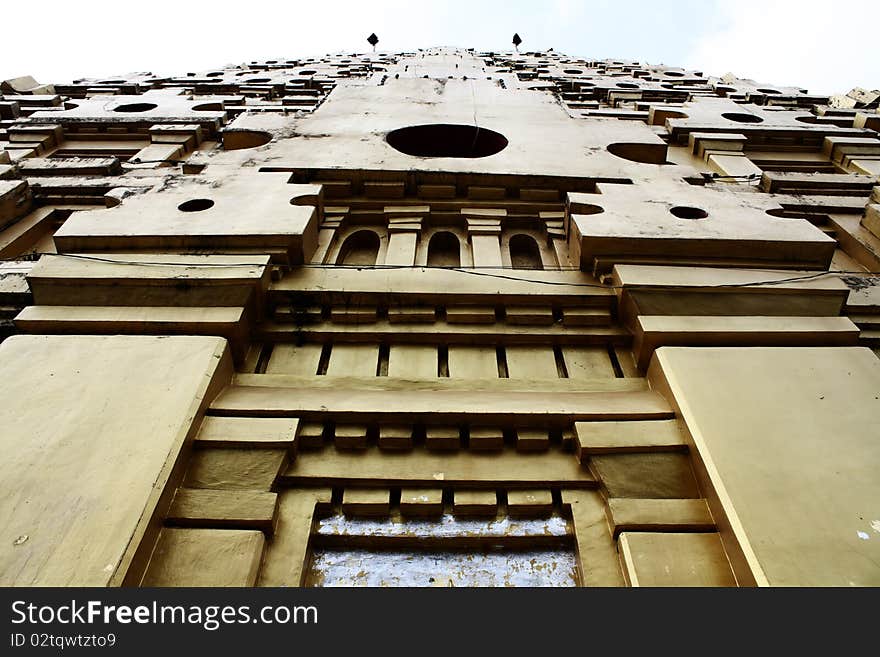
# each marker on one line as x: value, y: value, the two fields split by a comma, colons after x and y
x: 449, y: 551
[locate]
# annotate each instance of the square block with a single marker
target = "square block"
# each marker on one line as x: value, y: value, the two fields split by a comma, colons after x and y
x: 532, y: 440
x: 661, y: 559
x: 486, y: 438
x: 421, y: 501
x: 470, y: 315
x: 350, y: 436
x: 396, y: 437
x: 530, y: 502
x: 442, y: 438
x: 205, y: 557
x: 475, y: 503
x: 372, y: 502
x: 311, y: 434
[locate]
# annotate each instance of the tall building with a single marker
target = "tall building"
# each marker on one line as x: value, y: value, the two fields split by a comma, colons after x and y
x: 442, y: 318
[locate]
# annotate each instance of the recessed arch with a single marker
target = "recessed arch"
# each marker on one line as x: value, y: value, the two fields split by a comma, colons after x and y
x: 525, y: 252
x: 444, y: 250
x: 360, y: 248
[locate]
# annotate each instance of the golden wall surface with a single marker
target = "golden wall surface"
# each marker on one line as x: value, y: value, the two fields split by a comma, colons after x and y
x: 439, y: 318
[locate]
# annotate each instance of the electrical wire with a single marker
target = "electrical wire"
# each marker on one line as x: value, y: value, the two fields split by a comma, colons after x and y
x: 472, y: 272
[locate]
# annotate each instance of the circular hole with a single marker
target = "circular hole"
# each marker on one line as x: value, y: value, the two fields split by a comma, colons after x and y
x: 739, y: 117
x: 196, y: 205
x: 208, y: 107
x: 674, y: 74
x: 685, y: 212
x: 446, y: 140
x: 573, y: 71
x: 627, y: 85
x: 307, y: 72
x: 641, y: 153
x: 234, y: 140
x: 258, y: 80
x: 135, y: 107
x: 770, y: 92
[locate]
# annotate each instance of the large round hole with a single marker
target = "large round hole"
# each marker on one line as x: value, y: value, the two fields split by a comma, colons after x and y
x: 234, y: 140
x: 573, y: 71
x: 216, y: 106
x: 307, y: 72
x: 258, y: 80
x: 642, y: 153
x: 135, y: 107
x: 740, y: 117
x: 446, y: 140
x: 196, y: 205
x: 685, y: 212
x: 769, y: 92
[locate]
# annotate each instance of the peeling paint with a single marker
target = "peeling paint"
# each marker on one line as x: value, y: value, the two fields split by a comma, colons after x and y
x: 448, y: 526
x: 348, y: 568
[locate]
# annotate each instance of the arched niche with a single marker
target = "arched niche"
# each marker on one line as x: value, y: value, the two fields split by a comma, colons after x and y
x: 444, y: 250
x: 360, y: 248
x: 525, y: 252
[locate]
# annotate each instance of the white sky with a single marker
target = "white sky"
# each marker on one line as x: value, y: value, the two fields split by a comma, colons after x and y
x: 827, y: 47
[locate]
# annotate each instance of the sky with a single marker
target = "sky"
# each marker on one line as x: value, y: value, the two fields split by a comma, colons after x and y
x: 826, y: 47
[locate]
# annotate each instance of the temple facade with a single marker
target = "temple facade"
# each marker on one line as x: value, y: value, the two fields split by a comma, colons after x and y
x: 439, y: 318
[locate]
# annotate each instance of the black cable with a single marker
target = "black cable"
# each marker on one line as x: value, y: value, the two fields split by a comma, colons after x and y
x: 471, y: 272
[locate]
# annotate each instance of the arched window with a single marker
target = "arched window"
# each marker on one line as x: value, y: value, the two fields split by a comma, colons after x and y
x: 525, y: 253
x: 360, y: 248
x: 444, y: 250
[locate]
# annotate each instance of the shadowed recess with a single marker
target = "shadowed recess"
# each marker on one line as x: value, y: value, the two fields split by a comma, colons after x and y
x: 446, y: 140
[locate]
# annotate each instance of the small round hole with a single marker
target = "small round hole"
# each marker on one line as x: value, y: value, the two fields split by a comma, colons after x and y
x: 585, y: 208
x: 196, y: 205
x: 740, y: 117
x: 685, y: 212
x: 135, y: 107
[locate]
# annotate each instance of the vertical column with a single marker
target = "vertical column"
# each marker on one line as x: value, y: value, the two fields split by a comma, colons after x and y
x: 332, y: 219
x: 404, y: 226
x: 484, y: 232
